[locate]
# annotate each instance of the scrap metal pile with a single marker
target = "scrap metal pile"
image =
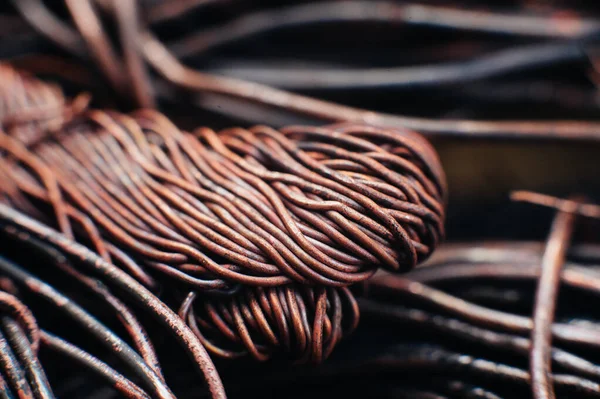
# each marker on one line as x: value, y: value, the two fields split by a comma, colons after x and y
x: 234, y: 198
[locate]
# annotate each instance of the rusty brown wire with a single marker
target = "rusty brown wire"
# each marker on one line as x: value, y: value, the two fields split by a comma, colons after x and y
x: 20, y: 369
x: 299, y: 323
x: 142, y: 47
x: 272, y: 209
x: 545, y: 305
x: 495, y: 261
x: 252, y: 206
x: 20, y: 366
x: 13, y: 308
x: 19, y: 344
x: 56, y: 247
x: 29, y: 108
x: 275, y: 212
x: 318, y: 207
x: 414, y: 335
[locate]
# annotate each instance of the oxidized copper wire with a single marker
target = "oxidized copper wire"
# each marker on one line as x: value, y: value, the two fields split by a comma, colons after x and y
x: 479, y: 323
x: 545, y: 304
x: 23, y: 374
x: 238, y: 216
x: 20, y: 369
x: 255, y: 207
x: 447, y: 337
x: 303, y: 323
x: 89, y: 40
x: 141, y: 361
x: 249, y: 207
x: 29, y: 108
x: 475, y: 323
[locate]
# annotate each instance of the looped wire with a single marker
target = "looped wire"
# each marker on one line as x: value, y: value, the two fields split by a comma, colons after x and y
x: 257, y: 207
x: 302, y: 323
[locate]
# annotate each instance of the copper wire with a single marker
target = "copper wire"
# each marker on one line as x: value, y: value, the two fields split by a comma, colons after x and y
x: 478, y: 323
x: 301, y: 323
x: 251, y: 206
x: 460, y: 18
x: 19, y: 343
x: 28, y: 358
x: 545, y: 304
x: 278, y: 221
x: 26, y: 374
x: 30, y: 233
x: 125, y: 386
x: 162, y: 59
x: 278, y: 206
x: 29, y: 108
x: 322, y: 207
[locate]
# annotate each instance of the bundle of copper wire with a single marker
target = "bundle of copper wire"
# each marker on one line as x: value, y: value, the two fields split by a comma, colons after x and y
x: 255, y: 207
x: 317, y: 207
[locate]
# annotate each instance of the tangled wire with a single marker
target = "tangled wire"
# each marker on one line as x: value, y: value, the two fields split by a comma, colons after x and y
x: 29, y: 108
x: 258, y: 233
x: 500, y: 328
x: 256, y: 207
x: 19, y: 331
x: 318, y: 208
x: 468, y: 322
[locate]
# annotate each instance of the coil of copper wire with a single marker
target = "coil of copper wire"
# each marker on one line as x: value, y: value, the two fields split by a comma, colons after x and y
x: 300, y: 212
x: 255, y: 206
